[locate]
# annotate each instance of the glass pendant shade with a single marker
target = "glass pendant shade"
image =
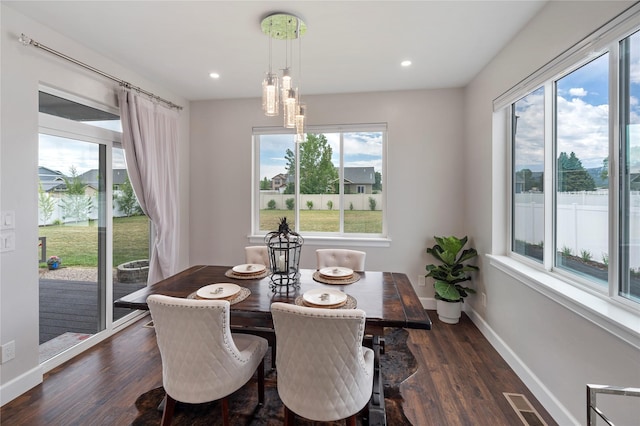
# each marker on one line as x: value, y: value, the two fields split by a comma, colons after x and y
x: 270, y: 95
x: 300, y: 123
x: 290, y: 109
x: 286, y: 83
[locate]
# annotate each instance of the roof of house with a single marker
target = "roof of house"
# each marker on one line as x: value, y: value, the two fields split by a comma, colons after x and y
x: 51, y: 179
x: 364, y: 175
x: 90, y: 177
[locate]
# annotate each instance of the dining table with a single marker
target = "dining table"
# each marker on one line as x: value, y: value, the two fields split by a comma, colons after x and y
x: 388, y: 299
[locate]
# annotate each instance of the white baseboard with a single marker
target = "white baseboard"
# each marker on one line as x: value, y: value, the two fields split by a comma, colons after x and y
x: 539, y: 390
x: 16, y: 387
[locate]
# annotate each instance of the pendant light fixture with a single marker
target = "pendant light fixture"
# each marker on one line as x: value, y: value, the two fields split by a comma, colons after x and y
x: 286, y: 27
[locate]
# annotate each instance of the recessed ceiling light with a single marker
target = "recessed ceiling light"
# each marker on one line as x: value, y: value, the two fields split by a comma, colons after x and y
x: 214, y: 75
x: 405, y: 63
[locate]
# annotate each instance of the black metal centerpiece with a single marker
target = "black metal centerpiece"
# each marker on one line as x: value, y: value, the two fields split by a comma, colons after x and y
x: 284, y: 247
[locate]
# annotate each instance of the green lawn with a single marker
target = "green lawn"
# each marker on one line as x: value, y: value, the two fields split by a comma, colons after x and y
x: 77, y: 245
x: 355, y: 221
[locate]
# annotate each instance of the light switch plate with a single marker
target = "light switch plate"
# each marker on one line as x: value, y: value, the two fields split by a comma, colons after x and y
x: 7, y: 219
x: 7, y: 241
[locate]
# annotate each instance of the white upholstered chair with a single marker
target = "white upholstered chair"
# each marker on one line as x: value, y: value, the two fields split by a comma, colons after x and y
x: 324, y: 372
x: 256, y: 254
x: 352, y: 259
x: 201, y: 360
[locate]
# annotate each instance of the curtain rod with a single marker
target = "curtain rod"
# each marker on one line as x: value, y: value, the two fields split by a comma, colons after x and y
x: 29, y: 41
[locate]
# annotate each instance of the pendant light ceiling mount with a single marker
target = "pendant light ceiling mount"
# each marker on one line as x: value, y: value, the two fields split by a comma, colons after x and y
x: 283, y: 26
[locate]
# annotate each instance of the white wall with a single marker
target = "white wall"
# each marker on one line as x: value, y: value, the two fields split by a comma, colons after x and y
x: 22, y: 70
x: 424, y: 192
x: 556, y: 350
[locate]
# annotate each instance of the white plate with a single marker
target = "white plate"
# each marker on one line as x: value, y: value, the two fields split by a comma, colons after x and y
x: 249, y: 268
x: 218, y: 291
x: 336, y: 272
x: 324, y: 296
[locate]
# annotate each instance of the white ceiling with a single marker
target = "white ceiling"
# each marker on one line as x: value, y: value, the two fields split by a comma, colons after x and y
x: 350, y: 46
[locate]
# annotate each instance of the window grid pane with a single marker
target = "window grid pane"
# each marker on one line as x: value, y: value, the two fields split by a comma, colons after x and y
x: 582, y: 147
x: 629, y: 282
x: 528, y: 176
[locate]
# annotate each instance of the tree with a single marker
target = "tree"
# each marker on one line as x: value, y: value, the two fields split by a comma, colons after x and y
x: 317, y: 172
x: 377, y: 186
x: 127, y: 201
x: 265, y: 184
x: 528, y: 181
x: 46, y: 205
x: 75, y: 204
x: 572, y: 176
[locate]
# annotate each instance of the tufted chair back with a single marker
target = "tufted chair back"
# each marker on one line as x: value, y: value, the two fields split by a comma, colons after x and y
x: 256, y: 254
x: 324, y: 372
x: 352, y: 259
x: 201, y: 360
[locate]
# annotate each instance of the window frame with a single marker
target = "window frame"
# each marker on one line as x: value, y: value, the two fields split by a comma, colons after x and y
x: 609, y: 310
x: 318, y: 238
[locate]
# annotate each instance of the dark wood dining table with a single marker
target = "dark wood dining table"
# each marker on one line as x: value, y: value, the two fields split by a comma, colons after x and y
x: 388, y: 298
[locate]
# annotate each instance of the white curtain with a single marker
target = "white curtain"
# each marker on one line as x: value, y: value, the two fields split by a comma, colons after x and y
x: 150, y: 138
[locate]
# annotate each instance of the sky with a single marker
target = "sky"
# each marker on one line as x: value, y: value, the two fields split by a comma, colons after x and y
x: 360, y: 149
x: 583, y: 115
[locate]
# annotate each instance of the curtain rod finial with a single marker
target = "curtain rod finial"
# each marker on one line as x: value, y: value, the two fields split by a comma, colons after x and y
x: 24, y: 39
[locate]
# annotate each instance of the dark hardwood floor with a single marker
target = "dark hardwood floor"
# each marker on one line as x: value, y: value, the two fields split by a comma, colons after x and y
x: 460, y: 381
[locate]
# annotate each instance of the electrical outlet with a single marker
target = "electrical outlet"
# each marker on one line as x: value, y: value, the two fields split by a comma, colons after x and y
x: 421, y: 282
x: 8, y: 351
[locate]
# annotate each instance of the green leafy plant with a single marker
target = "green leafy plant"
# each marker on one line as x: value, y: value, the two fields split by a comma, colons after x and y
x: 452, y: 271
x: 271, y: 205
x: 566, y: 251
x: 330, y: 205
x: 372, y: 203
x: 310, y: 205
x: 585, y: 255
x: 290, y: 202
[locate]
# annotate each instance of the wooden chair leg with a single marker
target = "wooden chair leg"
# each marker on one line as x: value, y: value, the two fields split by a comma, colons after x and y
x: 225, y: 411
x: 351, y: 420
x: 167, y: 413
x: 261, y: 383
x: 289, y: 417
x: 273, y: 355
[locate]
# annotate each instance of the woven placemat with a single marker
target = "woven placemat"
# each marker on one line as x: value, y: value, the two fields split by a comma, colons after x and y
x: 242, y: 294
x: 259, y: 276
x: 351, y: 303
x: 322, y: 279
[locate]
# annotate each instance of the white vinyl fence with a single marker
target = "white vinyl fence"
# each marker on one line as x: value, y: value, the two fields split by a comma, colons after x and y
x: 320, y: 201
x: 58, y: 212
x: 582, y: 223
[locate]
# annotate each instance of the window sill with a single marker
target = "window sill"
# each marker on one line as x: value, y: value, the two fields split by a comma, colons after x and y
x: 314, y: 240
x: 618, y: 320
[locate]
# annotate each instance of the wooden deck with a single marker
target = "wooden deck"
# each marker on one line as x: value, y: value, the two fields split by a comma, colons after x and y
x: 72, y: 306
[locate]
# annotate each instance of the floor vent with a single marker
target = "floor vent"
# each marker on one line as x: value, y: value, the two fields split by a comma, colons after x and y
x: 524, y: 409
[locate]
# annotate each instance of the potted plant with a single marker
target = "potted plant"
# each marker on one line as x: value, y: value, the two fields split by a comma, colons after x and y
x: 54, y: 262
x: 449, y: 275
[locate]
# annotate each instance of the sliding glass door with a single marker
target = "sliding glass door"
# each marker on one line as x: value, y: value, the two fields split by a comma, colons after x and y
x: 93, y: 237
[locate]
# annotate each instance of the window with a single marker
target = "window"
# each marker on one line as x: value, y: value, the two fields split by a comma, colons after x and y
x: 329, y: 185
x: 528, y: 174
x: 580, y: 127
